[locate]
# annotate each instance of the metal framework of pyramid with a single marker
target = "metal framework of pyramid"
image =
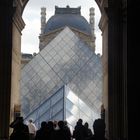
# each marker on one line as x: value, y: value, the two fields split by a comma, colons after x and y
x: 66, y: 60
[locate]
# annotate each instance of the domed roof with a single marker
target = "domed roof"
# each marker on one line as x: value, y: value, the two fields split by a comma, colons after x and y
x: 67, y: 17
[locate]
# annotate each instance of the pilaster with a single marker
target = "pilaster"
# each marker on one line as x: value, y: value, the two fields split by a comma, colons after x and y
x: 17, y: 27
x: 6, y: 13
x: 103, y: 25
x: 11, y: 23
x: 117, y: 62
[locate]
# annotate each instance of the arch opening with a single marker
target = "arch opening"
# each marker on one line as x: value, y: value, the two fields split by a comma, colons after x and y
x: 98, y: 41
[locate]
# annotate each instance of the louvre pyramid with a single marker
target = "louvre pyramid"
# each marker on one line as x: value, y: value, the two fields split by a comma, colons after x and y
x: 66, y: 60
x: 64, y: 104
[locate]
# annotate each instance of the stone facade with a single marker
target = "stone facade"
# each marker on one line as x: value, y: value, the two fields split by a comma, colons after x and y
x: 18, y: 25
x: 45, y: 38
x: 25, y: 59
x: 103, y: 25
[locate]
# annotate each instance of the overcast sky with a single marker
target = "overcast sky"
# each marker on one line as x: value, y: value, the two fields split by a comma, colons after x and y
x: 31, y: 17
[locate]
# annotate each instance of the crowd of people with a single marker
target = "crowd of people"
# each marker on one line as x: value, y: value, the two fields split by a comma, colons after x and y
x: 57, y: 130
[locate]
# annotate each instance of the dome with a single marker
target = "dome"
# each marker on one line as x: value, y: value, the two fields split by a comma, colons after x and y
x: 67, y: 17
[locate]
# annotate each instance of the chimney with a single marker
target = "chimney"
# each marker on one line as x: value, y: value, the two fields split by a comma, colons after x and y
x: 92, y: 25
x: 43, y: 19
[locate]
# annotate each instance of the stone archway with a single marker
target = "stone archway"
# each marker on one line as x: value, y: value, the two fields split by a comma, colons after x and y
x: 113, y: 25
x: 102, y: 4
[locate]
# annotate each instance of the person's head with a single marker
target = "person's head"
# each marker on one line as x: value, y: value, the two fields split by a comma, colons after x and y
x: 99, y: 127
x: 86, y: 124
x: 20, y: 119
x: 55, y: 123
x: 30, y: 120
x: 65, y: 123
x: 80, y: 121
x: 50, y: 125
x: 43, y: 124
x: 61, y: 124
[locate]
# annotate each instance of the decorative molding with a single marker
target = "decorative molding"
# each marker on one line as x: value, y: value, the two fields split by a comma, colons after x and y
x: 18, y: 21
x: 23, y: 2
x: 20, y: 5
x: 17, y: 18
x: 101, y: 4
x: 46, y: 38
x: 98, y: 3
x: 103, y: 22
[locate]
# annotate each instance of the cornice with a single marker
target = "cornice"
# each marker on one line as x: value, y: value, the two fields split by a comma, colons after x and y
x: 18, y: 21
x: 24, y: 2
x: 60, y: 29
x: 101, y: 4
x: 17, y: 18
x: 103, y: 21
x: 20, y: 4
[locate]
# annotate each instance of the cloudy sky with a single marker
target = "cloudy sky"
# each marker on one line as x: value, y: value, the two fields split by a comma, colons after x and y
x: 31, y: 17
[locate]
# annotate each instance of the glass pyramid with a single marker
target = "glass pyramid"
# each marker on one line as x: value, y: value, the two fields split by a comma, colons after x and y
x: 66, y: 60
x: 64, y: 104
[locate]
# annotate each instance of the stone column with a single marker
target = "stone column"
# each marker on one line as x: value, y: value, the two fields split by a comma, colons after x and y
x: 115, y: 66
x: 10, y: 32
x: 6, y: 13
x: 17, y: 27
x: 103, y: 25
x: 117, y: 60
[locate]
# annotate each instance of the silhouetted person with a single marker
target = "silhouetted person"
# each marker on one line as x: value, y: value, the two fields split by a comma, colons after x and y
x: 88, y: 130
x: 50, y: 130
x: 64, y: 131
x: 79, y: 132
x: 60, y: 132
x: 21, y: 131
x: 67, y: 129
x: 99, y: 130
x: 32, y: 129
x: 55, y: 123
x: 41, y: 134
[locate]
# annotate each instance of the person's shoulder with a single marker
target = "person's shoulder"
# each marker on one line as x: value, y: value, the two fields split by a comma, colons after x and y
x: 33, y: 124
x: 25, y: 125
x: 91, y: 138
